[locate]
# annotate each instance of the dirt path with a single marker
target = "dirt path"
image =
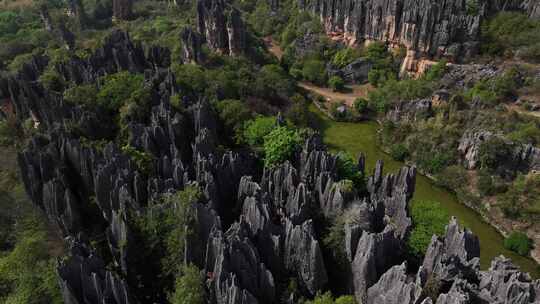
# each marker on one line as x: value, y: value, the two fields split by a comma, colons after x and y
x: 522, y: 111
x: 353, y: 91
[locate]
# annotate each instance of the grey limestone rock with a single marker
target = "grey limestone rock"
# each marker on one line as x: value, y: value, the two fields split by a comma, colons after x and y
x: 303, y: 255
x: 394, y: 287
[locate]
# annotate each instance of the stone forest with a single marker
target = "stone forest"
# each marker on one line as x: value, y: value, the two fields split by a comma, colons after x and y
x: 270, y: 151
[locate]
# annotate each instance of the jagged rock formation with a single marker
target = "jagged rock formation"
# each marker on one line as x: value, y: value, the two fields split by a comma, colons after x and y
x: 191, y: 46
x: 254, y: 231
x: 522, y: 157
x: 464, y: 76
x: 355, y: 72
x: 45, y: 17
x: 221, y: 26
x: 426, y: 28
x: 122, y: 9
x: 410, y: 111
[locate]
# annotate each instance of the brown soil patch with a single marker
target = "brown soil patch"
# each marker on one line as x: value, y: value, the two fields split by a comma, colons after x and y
x: 356, y: 91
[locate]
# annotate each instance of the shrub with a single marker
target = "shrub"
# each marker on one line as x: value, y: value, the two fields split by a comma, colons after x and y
x: 280, y: 145
x: 314, y: 71
x: 493, y: 152
x: 522, y: 200
x: 518, y: 242
x: 339, y: 111
x: 399, y: 152
x: 393, y: 91
x: 345, y: 56
x: 143, y: 160
x: 298, y: 112
x: 234, y: 114
x: 27, y: 271
x: 160, y: 235
x: 436, y: 71
x: 428, y: 218
x: 119, y: 88
x: 453, y: 177
x: 347, y: 168
x: 256, y: 129
x: 510, y: 31
x: 361, y: 105
x: 327, y: 298
x: 188, y: 287
x: 336, y: 83
x: 272, y: 80
x: 82, y: 95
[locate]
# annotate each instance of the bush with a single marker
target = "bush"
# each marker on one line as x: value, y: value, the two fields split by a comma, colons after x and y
x: 234, y: 114
x: 118, y: 89
x: 361, y: 105
x: 272, y: 80
x: 256, y: 129
x: 518, y: 242
x: 160, y: 235
x: 510, y: 32
x: 336, y: 83
x: 347, y: 168
x: 298, y: 112
x: 327, y: 298
x: 428, y: 218
x: 436, y: 71
x: 394, y: 91
x: 522, y: 200
x: 280, y: 145
x: 453, y: 177
x: 493, y: 152
x: 143, y: 160
x: 340, y: 111
x: 188, y: 287
x: 345, y: 56
x: 81, y: 95
x: 27, y: 272
x: 314, y: 71
x: 399, y: 152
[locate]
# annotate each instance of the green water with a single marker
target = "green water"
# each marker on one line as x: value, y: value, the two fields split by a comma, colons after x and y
x: 362, y: 137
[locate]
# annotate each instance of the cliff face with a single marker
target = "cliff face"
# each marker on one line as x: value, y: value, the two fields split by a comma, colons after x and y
x: 426, y: 28
x: 221, y: 26
x: 256, y: 231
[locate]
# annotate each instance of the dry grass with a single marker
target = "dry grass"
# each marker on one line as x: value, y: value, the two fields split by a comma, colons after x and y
x: 15, y: 4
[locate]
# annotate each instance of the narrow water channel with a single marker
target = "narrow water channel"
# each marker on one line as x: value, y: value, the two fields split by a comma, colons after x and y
x: 362, y: 137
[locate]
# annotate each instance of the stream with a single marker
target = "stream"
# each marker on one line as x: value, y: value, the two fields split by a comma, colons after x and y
x: 362, y: 137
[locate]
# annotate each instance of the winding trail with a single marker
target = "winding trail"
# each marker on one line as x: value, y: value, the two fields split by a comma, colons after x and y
x: 361, y: 137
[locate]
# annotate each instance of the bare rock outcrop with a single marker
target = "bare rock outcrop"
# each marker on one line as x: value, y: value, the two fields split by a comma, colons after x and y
x: 425, y: 28
x: 221, y: 26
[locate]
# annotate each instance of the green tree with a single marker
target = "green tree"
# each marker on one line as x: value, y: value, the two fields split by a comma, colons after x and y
x: 27, y: 272
x: 117, y: 89
x: 399, y: 152
x: 314, y: 71
x: 518, y: 242
x: 280, y: 145
x: 234, y: 114
x: 82, y: 95
x: 188, y: 288
x: 493, y: 152
x: 256, y: 129
x: 428, y: 218
x: 336, y: 83
x: 327, y: 298
x: 347, y: 169
x: 361, y: 105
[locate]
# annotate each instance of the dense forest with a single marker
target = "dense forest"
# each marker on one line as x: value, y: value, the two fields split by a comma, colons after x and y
x: 168, y: 151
